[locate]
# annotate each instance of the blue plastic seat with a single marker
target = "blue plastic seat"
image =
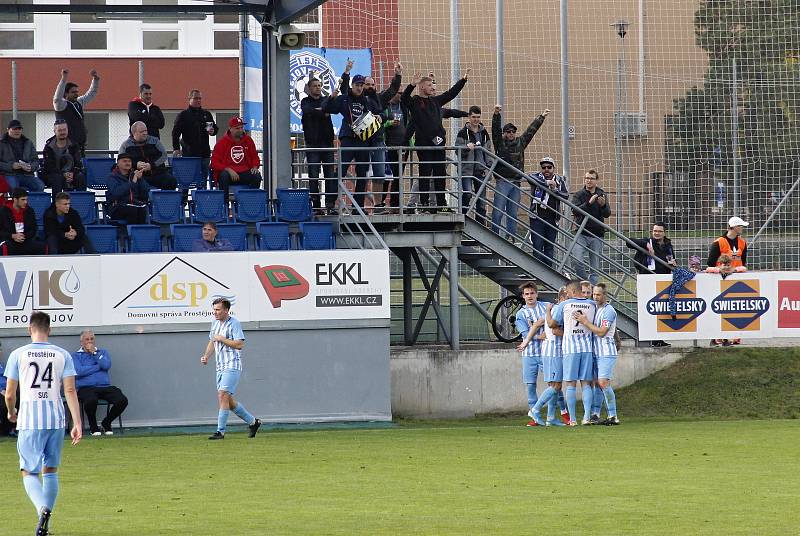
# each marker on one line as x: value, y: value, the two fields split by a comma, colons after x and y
x: 104, y: 238
x: 235, y: 233
x: 86, y: 205
x: 317, y: 235
x: 39, y: 202
x: 97, y: 172
x: 272, y: 236
x: 184, y: 235
x: 294, y: 204
x: 144, y: 239
x: 166, y: 206
x: 188, y: 171
x: 251, y: 205
x: 209, y: 205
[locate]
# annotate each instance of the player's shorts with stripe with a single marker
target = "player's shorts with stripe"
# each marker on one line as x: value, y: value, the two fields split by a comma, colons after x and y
x: 39, y: 448
x: 531, y: 367
x: 553, y: 368
x: 578, y: 367
x: 228, y: 380
x: 605, y: 367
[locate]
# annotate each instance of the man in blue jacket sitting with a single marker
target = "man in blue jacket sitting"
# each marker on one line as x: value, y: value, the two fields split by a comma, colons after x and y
x: 93, y: 382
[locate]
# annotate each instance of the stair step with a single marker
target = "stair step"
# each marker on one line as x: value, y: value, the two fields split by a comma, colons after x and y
x: 497, y: 269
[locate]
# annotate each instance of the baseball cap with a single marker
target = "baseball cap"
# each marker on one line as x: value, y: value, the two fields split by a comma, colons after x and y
x: 359, y: 79
x: 120, y: 156
x: 547, y: 160
x: 736, y: 221
x: 235, y: 122
x: 14, y: 123
x: 509, y: 126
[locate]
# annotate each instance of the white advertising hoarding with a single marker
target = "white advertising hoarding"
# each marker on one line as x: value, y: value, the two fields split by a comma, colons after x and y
x: 752, y: 305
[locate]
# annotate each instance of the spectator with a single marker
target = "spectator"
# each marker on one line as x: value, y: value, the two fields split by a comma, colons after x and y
x: 659, y: 247
x: 725, y: 267
x: 591, y: 199
x: 235, y: 159
x: 731, y: 244
x: 360, y: 126
x: 474, y: 163
x: 94, y: 383
x: 395, y: 127
x: 546, y: 209
x: 7, y: 428
x: 18, y: 160
x: 69, y: 106
x: 127, y: 192
x: 63, y: 228
x: 62, y: 168
x: 142, y: 109
x: 318, y: 134
x: 149, y: 156
x: 425, y: 110
x: 510, y: 148
x: 210, y: 242
x: 18, y: 226
x: 193, y: 127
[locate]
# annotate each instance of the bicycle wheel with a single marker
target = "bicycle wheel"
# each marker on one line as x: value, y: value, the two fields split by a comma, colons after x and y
x: 503, y: 319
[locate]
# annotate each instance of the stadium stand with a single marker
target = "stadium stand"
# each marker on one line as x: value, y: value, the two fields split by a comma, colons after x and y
x: 235, y: 233
x: 293, y: 205
x: 144, y: 239
x: 182, y: 235
x: 104, y: 238
x: 272, y: 236
x: 208, y: 205
x: 166, y: 206
x: 317, y: 235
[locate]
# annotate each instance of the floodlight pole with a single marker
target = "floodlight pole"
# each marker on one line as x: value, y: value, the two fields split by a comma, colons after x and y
x: 500, y: 53
x: 620, y: 28
x: 565, y: 168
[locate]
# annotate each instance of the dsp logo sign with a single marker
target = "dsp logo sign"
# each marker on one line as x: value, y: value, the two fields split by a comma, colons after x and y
x: 688, y: 308
x: 740, y: 305
x: 788, y: 304
x: 281, y: 283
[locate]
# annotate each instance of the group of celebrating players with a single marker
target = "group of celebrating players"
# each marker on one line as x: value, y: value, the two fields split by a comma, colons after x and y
x: 574, y: 339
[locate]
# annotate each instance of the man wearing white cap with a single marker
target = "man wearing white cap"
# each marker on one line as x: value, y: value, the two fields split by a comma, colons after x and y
x: 731, y: 243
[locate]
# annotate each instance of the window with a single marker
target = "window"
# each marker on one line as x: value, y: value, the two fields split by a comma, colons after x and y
x: 16, y: 40
x: 96, y: 130
x: 87, y: 40
x: 28, y: 120
x: 160, y: 40
x: 11, y: 18
x: 226, y: 18
x: 226, y: 40
x: 163, y: 18
x: 85, y: 17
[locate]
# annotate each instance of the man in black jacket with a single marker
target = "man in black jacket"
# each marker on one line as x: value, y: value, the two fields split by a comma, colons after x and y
x: 63, y: 228
x: 547, y: 190
x: 593, y: 200
x: 18, y: 226
x: 658, y: 246
x: 18, y: 159
x: 474, y: 163
x: 318, y: 134
x: 142, y: 109
x: 193, y: 127
x: 62, y: 167
x: 426, y: 113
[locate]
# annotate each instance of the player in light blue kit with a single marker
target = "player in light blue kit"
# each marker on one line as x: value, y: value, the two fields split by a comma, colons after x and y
x: 226, y: 340
x: 529, y: 321
x: 604, y: 328
x: 576, y: 347
x: 40, y: 369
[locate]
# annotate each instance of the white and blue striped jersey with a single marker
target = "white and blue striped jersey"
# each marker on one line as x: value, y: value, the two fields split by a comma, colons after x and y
x: 551, y: 345
x: 577, y: 337
x: 524, y: 316
x: 605, y: 346
x: 39, y: 368
x: 227, y: 358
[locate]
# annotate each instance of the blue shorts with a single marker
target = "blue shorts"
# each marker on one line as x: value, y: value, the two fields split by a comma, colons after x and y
x: 39, y: 448
x: 578, y: 366
x: 553, y: 368
x: 605, y: 367
x: 531, y: 366
x: 228, y: 380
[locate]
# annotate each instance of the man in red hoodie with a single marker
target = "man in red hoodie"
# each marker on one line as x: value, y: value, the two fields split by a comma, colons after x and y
x: 235, y: 159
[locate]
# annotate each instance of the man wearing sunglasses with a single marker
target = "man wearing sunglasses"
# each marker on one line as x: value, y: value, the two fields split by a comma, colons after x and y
x: 547, y: 190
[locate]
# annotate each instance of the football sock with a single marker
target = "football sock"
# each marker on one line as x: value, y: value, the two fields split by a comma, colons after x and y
x: 562, y: 403
x: 611, y: 401
x: 571, y: 401
x: 50, y: 489
x: 222, y: 420
x: 546, y: 395
x: 588, y: 396
x: 597, y: 400
x: 532, y: 397
x: 551, y: 408
x: 33, y: 487
x: 243, y: 414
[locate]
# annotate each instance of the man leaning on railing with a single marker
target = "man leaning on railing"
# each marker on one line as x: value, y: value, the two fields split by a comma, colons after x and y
x: 592, y: 200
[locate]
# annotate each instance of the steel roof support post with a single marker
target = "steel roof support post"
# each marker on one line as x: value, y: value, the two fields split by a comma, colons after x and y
x: 453, y: 291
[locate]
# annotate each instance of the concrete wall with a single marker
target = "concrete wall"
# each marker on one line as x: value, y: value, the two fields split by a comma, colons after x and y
x: 438, y: 383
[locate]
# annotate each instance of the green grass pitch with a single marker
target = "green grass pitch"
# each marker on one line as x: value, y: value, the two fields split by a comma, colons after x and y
x: 485, y: 476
